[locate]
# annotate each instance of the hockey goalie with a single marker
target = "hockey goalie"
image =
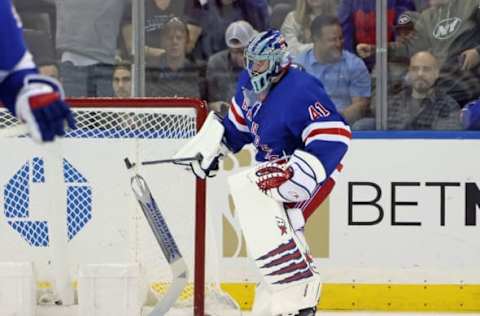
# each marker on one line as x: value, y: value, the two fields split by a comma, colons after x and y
x: 300, y: 141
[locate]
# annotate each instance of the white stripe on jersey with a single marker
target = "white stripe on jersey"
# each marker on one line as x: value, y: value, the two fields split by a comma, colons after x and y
x: 329, y: 138
x: 235, y: 115
x: 26, y: 62
x: 3, y: 74
x: 323, y: 125
x: 327, y: 131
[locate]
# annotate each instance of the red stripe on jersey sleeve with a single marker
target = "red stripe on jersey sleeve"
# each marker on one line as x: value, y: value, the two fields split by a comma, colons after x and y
x: 331, y: 131
x: 237, y: 116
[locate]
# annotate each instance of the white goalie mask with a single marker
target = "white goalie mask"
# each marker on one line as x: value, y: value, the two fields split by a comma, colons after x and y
x: 265, y: 57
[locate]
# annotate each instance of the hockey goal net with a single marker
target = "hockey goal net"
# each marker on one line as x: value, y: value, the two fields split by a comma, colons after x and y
x: 103, y: 221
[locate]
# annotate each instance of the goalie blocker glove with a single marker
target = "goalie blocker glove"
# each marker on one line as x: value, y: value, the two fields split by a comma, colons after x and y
x: 210, y: 171
x: 208, y: 144
x: 293, y: 181
x: 41, y: 105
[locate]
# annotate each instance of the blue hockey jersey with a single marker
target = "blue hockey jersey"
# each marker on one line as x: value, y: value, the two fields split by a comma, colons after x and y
x: 296, y: 114
x: 15, y: 60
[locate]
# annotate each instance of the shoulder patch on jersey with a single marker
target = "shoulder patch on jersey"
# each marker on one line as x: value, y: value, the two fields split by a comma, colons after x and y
x: 317, y: 110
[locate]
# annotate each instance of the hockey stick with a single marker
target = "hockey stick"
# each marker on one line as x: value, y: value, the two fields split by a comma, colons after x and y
x: 57, y: 233
x: 13, y: 131
x: 166, y: 241
x: 58, y: 240
x: 130, y: 164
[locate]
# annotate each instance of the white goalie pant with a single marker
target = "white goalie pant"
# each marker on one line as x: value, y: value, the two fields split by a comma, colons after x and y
x: 290, y: 281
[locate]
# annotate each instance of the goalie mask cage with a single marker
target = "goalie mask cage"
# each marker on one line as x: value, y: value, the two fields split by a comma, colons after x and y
x: 104, y: 222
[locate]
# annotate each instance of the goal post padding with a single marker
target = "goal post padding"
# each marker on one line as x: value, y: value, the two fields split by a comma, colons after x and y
x: 104, y: 222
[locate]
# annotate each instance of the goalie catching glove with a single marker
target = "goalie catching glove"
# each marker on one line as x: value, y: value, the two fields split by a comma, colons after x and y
x: 41, y: 105
x: 207, y: 145
x: 293, y: 181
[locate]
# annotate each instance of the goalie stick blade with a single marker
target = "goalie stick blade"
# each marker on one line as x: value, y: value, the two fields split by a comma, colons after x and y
x: 179, y: 271
x: 167, y: 243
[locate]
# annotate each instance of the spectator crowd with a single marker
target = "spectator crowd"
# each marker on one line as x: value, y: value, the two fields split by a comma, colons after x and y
x: 194, y: 48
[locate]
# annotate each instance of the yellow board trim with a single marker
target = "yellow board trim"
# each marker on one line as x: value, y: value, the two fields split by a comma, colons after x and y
x: 382, y: 297
x: 243, y: 293
x: 372, y: 297
x: 45, y: 285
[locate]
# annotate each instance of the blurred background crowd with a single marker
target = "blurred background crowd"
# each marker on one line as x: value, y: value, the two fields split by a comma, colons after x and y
x: 194, y: 48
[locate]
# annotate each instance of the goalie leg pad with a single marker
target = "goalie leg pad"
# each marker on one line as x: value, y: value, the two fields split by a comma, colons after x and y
x: 297, y: 220
x: 262, y: 304
x: 274, y: 247
x: 286, y: 302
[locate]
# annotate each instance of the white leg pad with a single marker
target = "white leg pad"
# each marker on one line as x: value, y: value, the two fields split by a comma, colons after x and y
x: 17, y: 289
x: 301, y: 238
x: 262, y: 304
x: 110, y: 289
x: 297, y: 220
x: 289, y: 275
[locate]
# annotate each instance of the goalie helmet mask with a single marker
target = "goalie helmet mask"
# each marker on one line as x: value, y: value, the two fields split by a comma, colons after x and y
x: 268, y: 46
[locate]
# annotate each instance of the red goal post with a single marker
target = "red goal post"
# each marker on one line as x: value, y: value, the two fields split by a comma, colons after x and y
x: 200, y: 185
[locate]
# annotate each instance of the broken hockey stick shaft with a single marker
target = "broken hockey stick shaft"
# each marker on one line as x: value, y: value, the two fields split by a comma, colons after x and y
x: 130, y: 164
x: 166, y: 242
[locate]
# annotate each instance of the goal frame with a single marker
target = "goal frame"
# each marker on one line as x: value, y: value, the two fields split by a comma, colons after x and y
x: 200, y: 107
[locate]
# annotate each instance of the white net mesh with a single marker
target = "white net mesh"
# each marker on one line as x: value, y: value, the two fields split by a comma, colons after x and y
x: 98, y: 192
x: 126, y: 123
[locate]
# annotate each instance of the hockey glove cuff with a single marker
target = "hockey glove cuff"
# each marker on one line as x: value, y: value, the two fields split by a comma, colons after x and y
x: 41, y: 105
